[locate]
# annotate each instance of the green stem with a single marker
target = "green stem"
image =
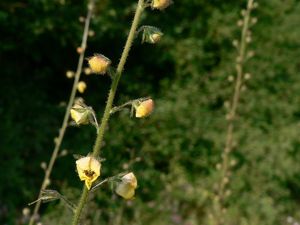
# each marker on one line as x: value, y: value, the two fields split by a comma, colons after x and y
x: 67, y: 113
x: 232, y: 114
x: 115, y: 82
x: 82, y: 201
x: 236, y: 95
x: 110, y: 99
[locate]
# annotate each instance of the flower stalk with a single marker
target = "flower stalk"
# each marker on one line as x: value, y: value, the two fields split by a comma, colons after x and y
x: 62, y: 130
x: 109, y: 103
x: 225, y: 165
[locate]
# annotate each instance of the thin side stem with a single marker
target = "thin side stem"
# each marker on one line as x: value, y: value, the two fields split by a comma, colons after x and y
x: 67, y: 113
x: 110, y: 99
x: 232, y: 112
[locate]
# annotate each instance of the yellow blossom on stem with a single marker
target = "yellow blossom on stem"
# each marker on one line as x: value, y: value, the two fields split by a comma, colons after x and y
x: 126, y: 188
x: 160, y: 4
x: 81, y: 86
x: 80, y: 114
x: 145, y: 108
x: 88, y: 169
x: 99, y: 63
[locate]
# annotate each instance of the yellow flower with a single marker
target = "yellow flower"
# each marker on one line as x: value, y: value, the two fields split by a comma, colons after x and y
x: 99, y: 63
x: 80, y: 114
x: 145, y: 108
x: 88, y: 169
x: 160, y: 4
x: 81, y: 86
x: 126, y: 188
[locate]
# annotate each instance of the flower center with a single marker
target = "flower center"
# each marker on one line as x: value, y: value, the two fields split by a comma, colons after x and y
x: 89, y: 173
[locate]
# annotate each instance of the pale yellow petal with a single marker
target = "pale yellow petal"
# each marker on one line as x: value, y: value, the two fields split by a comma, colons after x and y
x: 130, y: 179
x: 125, y: 190
x: 95, y: 166
x: 88, y: 184
x: 75, y: 115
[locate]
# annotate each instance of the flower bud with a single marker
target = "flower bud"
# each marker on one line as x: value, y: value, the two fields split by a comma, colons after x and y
x: 248, y: 39
x: 99, y: 63
x: 88, y: 169
x: 79, y: 50
x: 80, y: 114
x: 227, y: 193
x: 250, y: 54
x: 254, y: 20
x: 91, y: 33
x: 126, y: 188
x: 87, y: 71
x: 47, y: 182
x: 43, y: 165
x: 240, y: 23
x: 235, y: 43
x: 55, y: 140
x: 227, y: 104
x: 81, y: 19
x: 247, y: 76
x: 243, y: 88
x: 151, y: 34
x: 160, y: 4
x: 26, y: 211
x: 233, y: 162
x: 225, y: 180
x: 230, y: 78
x: 70, y: 74
x: 144, y: 108
x: 64, y: 152
x: 83, y: 114
x: 81, y: 86
x: 218, y: 166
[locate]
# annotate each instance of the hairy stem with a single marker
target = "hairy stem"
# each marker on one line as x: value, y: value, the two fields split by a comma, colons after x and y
x: 110, y: 99
x: 67, y: 113
x: 232, y: 113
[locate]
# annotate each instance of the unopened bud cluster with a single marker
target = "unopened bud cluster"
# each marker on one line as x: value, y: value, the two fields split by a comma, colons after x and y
x: 89, y: 167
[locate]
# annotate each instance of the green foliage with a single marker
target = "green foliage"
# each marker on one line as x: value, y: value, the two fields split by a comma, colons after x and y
x: 174, y: 152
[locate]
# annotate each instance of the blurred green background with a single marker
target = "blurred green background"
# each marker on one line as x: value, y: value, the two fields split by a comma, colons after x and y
x: 175, y: 151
